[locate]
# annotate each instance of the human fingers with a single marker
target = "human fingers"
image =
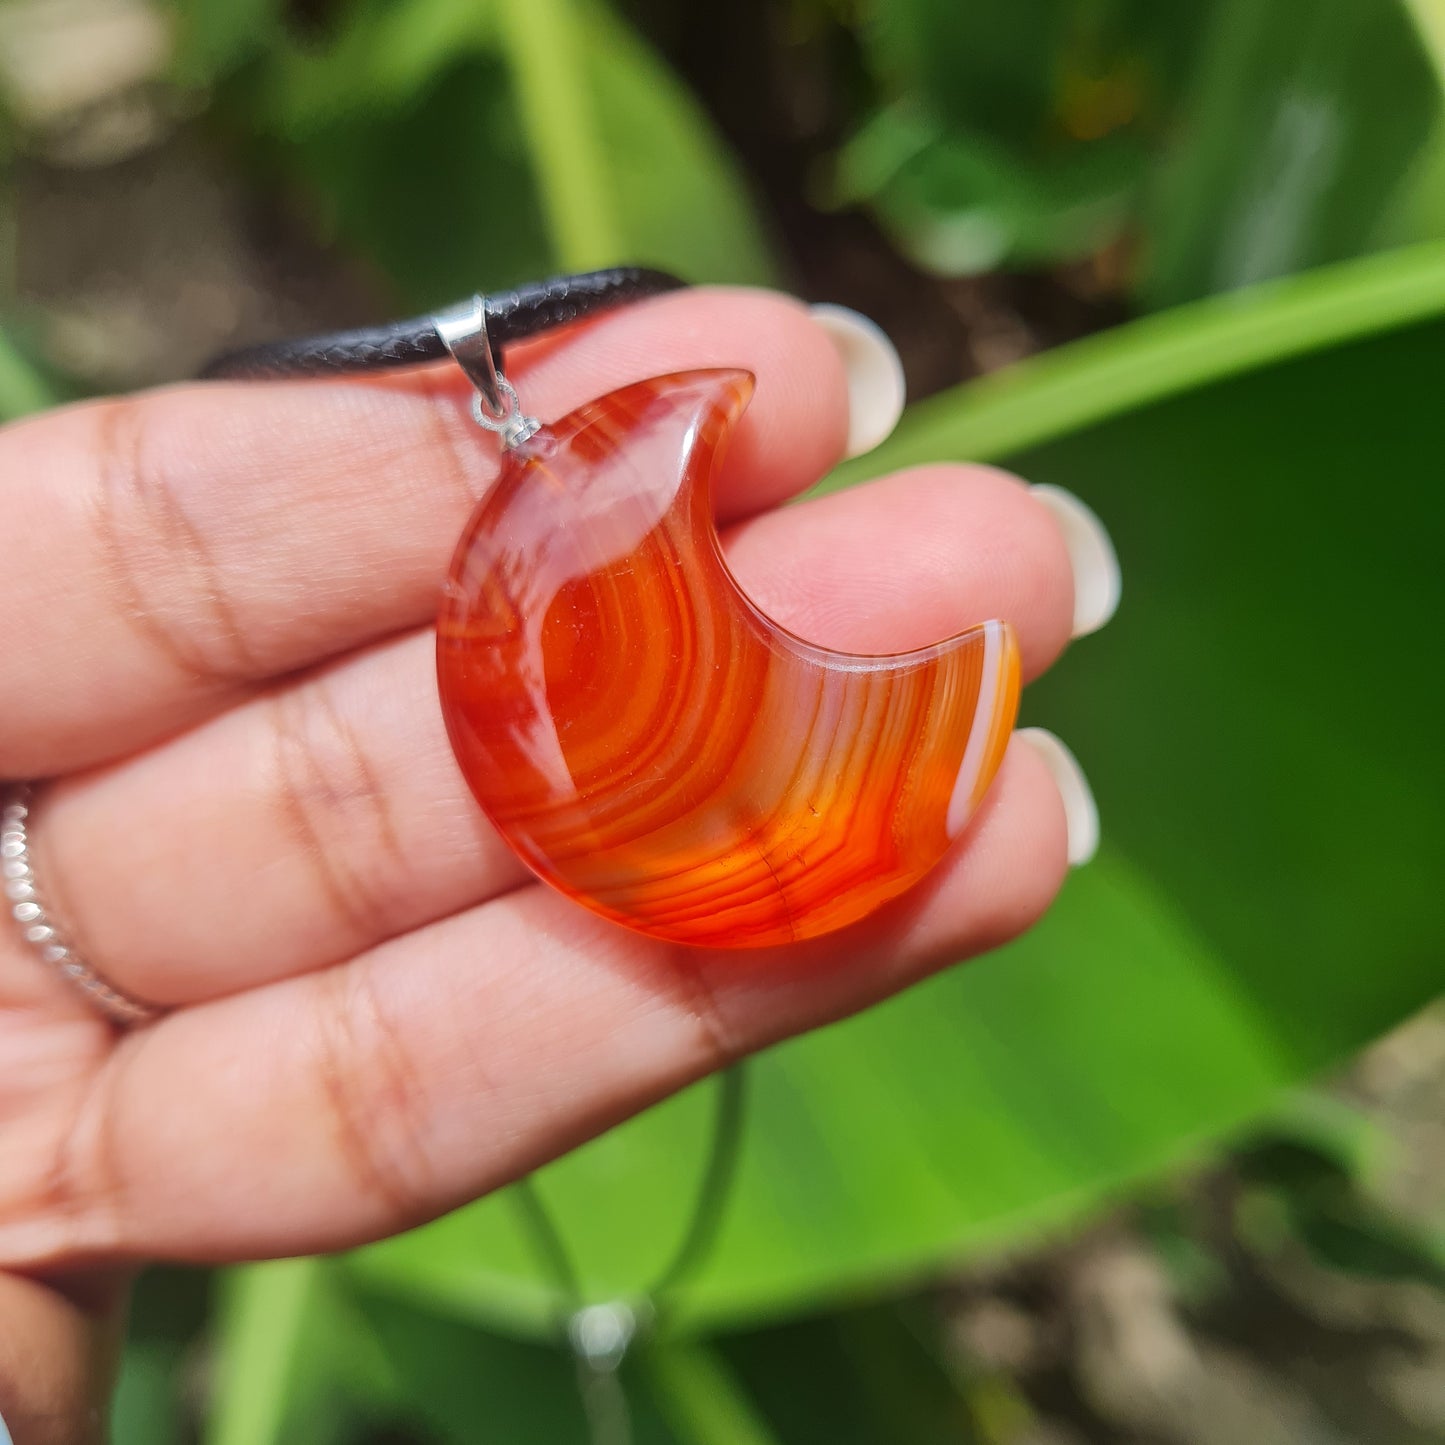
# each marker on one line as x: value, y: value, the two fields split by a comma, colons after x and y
x: 167, y: 553
x: 318, y: 820
x: 324, y: 1110
x: 58, y: 1354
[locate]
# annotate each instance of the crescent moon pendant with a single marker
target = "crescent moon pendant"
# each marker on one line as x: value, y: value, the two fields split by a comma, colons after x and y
x: 653, y: 745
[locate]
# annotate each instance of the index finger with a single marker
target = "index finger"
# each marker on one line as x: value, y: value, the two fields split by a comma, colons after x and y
x: 171, y: 552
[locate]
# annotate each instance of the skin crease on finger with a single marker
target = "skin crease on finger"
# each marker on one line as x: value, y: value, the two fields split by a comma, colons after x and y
x: 344, y: 816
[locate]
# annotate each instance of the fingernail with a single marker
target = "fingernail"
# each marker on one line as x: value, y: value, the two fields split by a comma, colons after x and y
x: 1097, y: 579
x: 1081, y: 812
x: 876, y: 389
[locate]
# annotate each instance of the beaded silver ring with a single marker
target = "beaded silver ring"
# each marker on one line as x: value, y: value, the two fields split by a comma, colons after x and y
x: 38, y: 927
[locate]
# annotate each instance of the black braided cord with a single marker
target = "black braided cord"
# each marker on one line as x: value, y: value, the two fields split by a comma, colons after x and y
x: 526, y: 310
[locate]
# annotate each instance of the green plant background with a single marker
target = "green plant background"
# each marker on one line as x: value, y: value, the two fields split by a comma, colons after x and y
x: 1261, y: 722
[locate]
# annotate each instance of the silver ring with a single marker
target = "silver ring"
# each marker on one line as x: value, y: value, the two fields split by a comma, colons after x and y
x: 38, y: 928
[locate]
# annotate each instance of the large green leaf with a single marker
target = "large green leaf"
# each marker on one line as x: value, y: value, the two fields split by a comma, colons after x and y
x: 1304, y: 123
x: 1262, y: 725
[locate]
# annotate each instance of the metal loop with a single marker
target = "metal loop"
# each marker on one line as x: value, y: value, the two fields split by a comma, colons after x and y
x: 496, y: 416
x: 512, y: 425
x: 463, y: 330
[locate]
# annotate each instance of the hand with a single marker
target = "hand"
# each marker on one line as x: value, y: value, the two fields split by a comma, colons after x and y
x: 217, y: 644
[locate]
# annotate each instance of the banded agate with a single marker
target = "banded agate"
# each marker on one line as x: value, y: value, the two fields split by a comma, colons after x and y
x: 653, y: 745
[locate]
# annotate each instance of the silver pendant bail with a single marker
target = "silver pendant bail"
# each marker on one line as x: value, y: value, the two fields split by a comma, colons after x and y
x: 463, y: 330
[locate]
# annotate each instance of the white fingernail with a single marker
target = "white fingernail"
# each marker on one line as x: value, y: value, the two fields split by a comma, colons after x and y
x: 876, y: 389
x: 1097, y: 579
x: 1081, y: 812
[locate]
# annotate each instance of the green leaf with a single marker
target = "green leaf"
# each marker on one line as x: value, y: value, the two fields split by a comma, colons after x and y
x: 626, y: 162
x: 280, y: 1335
x: 22, y: 388
x: 957, y: 203
x: 546, y: 50
x: 374, y: 174
x: 462, y: 1383
x: 1261, y: 725
x: 1158, y: 358
x: 167, y: 1315
x: 681, y: 200
x: 381, y: 57
x: 701, y: 1400
x: 1035, y: 73
x: 1304, y: 122
x: 1417, y: 210
x: 1334, y: 1135
x: 1429, y: 19
x: 145, y: 1409
x: 856, y: 1377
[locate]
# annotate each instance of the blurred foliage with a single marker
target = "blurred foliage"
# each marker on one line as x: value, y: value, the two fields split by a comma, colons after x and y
x: 23, y: 388
x: 1225, y: 141
x: 1233, y: 141
x: 1015, y: 134
x: 1261, y: 721
x: 1300, y: 129
x: 450, y: 139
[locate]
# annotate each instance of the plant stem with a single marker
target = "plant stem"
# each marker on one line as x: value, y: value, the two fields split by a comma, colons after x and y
x: 545, y: 42
x: 264, y: 1316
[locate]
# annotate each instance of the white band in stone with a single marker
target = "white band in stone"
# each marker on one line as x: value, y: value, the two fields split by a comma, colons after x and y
x: 17, y: 881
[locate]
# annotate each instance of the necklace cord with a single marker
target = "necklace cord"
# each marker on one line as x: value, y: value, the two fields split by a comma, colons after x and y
x: 704, y: 1221
x: 714, y: 1190
x: 514, y: 315
x: 600, y: 1334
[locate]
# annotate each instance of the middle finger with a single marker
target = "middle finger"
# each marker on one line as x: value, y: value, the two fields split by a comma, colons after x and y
x: 322, y: 818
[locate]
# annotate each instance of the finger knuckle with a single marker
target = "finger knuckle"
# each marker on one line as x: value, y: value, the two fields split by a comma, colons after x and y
x: 372, y: 1096
x: 163, y: 577
x: 334, y: 806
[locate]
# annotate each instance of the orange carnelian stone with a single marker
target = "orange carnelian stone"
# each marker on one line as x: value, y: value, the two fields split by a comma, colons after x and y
x: 653, y: 745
